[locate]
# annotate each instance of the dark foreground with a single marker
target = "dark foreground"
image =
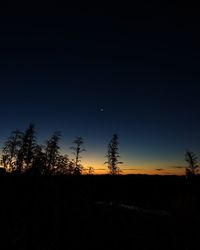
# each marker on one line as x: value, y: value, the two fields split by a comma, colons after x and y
x: 89, y: 212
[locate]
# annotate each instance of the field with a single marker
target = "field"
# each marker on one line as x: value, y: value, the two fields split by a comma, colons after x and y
x: 99, y: 212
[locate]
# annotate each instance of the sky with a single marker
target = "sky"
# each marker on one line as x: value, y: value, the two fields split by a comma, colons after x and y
x: 93, y: 72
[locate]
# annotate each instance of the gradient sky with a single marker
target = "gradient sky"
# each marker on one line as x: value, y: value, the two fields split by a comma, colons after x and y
x: 60, y: 67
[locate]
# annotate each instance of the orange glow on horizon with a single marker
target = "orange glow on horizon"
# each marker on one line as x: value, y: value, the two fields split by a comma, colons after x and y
x: 153, y: 167
x: 146, y: 171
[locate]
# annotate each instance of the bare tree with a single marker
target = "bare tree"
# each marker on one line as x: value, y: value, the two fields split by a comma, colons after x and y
x: 113, y: 156
x: 192, y: 161
x: 77, y: 150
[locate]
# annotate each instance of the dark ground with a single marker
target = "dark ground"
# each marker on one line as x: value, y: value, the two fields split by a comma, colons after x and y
x: 65, y: 213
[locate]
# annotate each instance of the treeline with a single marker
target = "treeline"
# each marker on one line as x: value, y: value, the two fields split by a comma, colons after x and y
x: 22, y: 154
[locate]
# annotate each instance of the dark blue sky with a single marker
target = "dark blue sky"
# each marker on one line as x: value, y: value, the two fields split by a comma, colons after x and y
x: 60, y: 67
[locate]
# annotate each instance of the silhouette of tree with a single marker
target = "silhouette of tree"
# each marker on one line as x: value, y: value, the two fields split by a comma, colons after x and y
x: 77, y: 148
x: 192, y: 160
x: 38, y: 165
x: 4, y: 161
x: 71, y: 168
x: 52, y: 153
x: 90, y: 170
x: 11, y: 151
x: 27, y: 151
x: 113, y: 156
x: 62, y: 165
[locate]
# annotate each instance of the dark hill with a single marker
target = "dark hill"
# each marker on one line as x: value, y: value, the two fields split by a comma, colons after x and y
x: 95, y: 212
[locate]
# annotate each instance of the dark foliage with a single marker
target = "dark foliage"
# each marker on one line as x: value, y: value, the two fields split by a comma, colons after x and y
x: 77, y: 150
x: 192, y: 161
x: 22, y: 154
x: 113, y: 156
x: 11, y: 149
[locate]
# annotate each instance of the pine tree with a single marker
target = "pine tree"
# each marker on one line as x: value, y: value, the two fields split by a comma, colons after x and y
x: 11, y: 151
x: 77, y: 150
x: 52, y: 153
x: 27, y: 151
x: 38, y: 165
x: 113, y: 156
x: 192, y: 160
x: 62, y: 165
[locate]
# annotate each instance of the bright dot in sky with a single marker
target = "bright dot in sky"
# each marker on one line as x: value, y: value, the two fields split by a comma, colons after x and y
x: 101, y: 109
